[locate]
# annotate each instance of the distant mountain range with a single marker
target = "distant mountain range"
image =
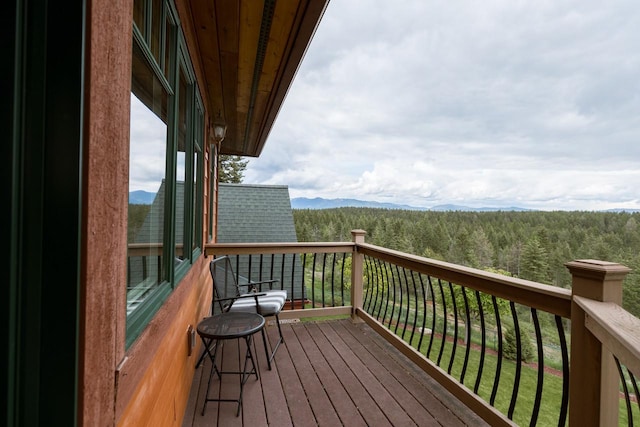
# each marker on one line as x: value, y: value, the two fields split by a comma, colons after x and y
x: 320, y: 203
x: 141, y: 197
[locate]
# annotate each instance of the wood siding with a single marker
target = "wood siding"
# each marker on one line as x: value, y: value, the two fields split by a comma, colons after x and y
x: 154, y: 381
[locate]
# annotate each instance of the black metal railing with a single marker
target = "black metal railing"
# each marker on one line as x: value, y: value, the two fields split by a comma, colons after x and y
x: 311, y: 279
x: 481, y: 340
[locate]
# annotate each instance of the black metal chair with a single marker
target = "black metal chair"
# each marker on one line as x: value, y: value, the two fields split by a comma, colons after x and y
x: 228, y: 295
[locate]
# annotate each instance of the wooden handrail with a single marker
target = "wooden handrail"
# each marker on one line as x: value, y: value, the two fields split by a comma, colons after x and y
x: 542, y: 297
x: 277, y: 248
x: 614, y: 327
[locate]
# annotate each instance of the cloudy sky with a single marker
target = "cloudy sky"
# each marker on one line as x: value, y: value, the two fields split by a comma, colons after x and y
x: 533, y: 104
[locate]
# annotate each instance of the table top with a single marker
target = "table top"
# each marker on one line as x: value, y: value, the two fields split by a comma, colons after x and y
x: 230, y: 325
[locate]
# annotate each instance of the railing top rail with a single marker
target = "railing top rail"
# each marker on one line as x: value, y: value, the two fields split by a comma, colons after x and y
x: 616, y: 328
x: 548, y: 298
x: 277, y: 248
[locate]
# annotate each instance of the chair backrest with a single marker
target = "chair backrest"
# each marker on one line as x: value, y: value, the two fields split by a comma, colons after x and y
x: 224, y: 281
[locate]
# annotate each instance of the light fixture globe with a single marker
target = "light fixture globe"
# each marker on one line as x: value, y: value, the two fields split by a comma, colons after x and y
x: 219, y: 132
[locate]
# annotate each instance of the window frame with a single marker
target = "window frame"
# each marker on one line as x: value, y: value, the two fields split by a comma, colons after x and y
x: 173, y: 47
x: 199, y: 176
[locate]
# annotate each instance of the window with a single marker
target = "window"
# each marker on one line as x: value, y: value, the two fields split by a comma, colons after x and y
x: 167, y: 126
x: 198, y: 176
x: 181, y: 167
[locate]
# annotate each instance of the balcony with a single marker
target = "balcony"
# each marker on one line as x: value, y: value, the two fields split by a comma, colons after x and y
x: 425, y: 340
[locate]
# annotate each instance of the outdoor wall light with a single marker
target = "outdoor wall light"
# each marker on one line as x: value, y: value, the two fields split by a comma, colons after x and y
x: 219, y: 132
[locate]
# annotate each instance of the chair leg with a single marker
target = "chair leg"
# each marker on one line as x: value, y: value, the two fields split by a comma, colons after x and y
x: 272, y: 353
x: 280, y: 339
x: 266, y: 350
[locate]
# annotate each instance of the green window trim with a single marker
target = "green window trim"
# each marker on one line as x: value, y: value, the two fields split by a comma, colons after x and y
x: 162, y: 49
x: 138, y: 319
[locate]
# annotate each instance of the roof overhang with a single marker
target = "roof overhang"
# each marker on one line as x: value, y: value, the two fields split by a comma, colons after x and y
x: 250, y: 52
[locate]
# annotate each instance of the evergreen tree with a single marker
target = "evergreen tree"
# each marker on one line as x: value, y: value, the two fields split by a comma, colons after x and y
x: 231, y: 169
x: 482, y: 250
x: 535, y: 263
x: 510, y: 347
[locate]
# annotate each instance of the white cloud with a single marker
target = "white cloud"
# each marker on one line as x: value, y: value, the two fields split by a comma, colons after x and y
x: 148, y: 148
x: 497, y: 103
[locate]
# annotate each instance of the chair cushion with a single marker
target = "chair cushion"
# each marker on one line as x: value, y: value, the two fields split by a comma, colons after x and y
x: 270, y: 304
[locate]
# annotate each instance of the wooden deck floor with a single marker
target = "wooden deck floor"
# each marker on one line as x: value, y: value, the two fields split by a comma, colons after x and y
x: 327, y: 373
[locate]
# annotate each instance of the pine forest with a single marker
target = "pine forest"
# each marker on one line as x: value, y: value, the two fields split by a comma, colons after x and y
x: 532, y: 245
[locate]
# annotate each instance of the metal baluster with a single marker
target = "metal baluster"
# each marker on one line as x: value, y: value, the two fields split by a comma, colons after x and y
x: 324, y: 265
x: 444, y: 323
x: 483, y: 345
x: 627, y: 399
x: 564, y: 406
x: 424, y: 311
x: 516, y: 381
x: 382, y: 287
x: 368, y: 296
x: 635, y: 387
x: 496, y: 381
x: 415, y: 310
x: 304, y: 287
x: 293, y: 275
x: 455, y: 329
x: 540, y: 382
x: 313, y: 279
x: 399, y: 287
x: 344, y: 258
x: 389, y: 287
x: 333, y: 269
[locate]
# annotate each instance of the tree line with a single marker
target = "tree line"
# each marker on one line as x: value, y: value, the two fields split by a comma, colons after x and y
x: 532, y: 245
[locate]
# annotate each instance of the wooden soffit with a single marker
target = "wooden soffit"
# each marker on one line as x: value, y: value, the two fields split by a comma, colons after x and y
x: 251, y: 50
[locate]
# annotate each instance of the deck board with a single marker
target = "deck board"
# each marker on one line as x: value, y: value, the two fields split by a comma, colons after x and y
x: 388, y: 379
x: 326, y: 373
x: 345, y: 408
x: 382, y: 353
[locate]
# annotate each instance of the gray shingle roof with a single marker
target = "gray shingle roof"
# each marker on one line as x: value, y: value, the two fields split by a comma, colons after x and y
x: 255, y: 213
x: 260, y: 214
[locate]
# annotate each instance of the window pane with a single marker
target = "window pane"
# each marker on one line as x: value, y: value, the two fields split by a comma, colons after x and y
x: 147, y: 160
x: 156, y: 29
x: 138, y: 14
x: 198, y: 173
x: 197, y: 216
x: 181, y: 170
x: 168, y: 45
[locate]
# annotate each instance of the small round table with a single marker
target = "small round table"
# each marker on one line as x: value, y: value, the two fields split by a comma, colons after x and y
x: 226, y: 326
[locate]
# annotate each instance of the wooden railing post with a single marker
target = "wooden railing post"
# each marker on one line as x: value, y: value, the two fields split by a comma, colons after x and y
x: 594, y: 381
x: 357, y: 269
